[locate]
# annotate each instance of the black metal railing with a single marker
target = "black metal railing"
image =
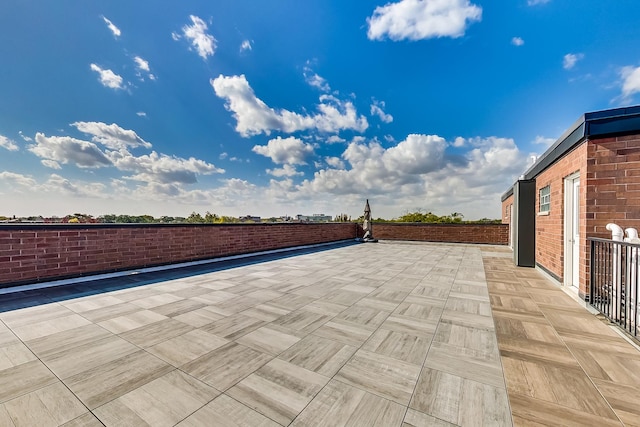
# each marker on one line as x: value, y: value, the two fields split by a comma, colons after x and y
x: 614, y: 273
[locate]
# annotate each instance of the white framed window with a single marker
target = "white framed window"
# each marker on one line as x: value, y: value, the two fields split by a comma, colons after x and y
x: 545, y: 199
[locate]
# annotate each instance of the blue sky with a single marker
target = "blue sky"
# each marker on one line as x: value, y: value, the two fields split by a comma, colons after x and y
x: 285, y: 107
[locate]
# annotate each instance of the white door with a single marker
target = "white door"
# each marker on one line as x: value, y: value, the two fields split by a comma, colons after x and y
x: 575, y: 226
x: 572, y: 231
x: 512, y: 225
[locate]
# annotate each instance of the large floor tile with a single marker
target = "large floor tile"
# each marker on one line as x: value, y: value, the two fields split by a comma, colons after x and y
x: 226, y: 365
x: 341, y: 405
x: 162, y: 402
x: 100, y: 385
x: 320, y: 355
x: 227, y: 412
x: 271, y: 339
x: 279, y: 390
x: 53, y: 405
x: 399, y: 345
x: 24, y: 378
x: 460, y: 401
x: 187, y: 347
x: 381, y: 375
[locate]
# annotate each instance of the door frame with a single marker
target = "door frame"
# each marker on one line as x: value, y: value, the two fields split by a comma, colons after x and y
x: 570, y: 199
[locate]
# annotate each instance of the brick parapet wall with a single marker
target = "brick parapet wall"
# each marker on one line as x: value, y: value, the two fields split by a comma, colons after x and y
x: 496, y: 234
x: 31, y: 253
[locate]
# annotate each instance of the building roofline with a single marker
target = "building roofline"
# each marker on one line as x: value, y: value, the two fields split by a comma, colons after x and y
x: 604, y: 123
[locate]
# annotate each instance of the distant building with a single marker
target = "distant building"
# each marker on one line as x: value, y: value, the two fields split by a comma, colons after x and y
x: 250, y: 218
x: 314, y: 218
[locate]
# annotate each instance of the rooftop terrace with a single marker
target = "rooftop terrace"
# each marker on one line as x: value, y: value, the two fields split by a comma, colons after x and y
x: 389, y: 334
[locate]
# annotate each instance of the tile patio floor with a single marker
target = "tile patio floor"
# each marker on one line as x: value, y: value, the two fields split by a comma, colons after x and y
x: 388, y: 334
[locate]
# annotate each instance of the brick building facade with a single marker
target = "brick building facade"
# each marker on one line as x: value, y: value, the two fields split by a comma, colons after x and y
x: 590, y: 177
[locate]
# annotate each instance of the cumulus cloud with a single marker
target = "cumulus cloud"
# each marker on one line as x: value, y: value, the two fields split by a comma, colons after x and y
x: 536, y: 2
x: 630, y: 82
x: 108, y: 78
x: 517, y: 41
x: 570, y: 59
x: 286, y: 170
x: 17, y: 179
x: 254, y: 117
x: 291, y: 151
x: 111, y: 136
x: 115, y: 30
x: 64, y: 149
x: 377, y: 110
x: 8, y: 144
x: 422, y: 19
x: 335, y: 162
x: 141, y: 114
x: 59, y: 184
x: 246, y: 45
x: 161, y: 168
x: 51, y: 164
x: 201, y: 41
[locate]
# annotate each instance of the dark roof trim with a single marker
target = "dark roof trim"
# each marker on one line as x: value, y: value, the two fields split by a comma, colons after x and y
x: 597, y: 124
x: 507, y: 194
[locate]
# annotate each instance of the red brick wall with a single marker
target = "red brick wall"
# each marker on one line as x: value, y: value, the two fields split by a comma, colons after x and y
x: 613, y: 184
x: 497, y: 234
x: 550, y: 228
x: 35, y: 253
x: 506, y: 210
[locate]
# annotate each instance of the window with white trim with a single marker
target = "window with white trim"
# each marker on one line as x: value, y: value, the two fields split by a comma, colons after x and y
x: 545, y: 199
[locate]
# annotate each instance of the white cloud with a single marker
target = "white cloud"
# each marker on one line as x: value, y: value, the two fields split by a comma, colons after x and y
x: 246, y: 45
x: 141, y: 64
x: 291, y: 151
x: 630, y: 82
x: 535, y: 2
x: 203, y: 42
x: 8, y: 144
x: 422, y: 19
x: 25, y: 137
x: 17, y: 179
x: 111, y: 136
x: 517, y: 41
x: 544, y: 142
x: 334, y: 139
x: 141, y: 114
x: 59, y: 184
x: 315, y: 80
x: 335, y: 162
x: 160, y: 168
x: 377, y: 110
x: 223, y: 156
x: 64, y: 149
x: 570, y: 59
x: 108, y: 78
x: 115, y: 30
x: 286, y: 170
x: 254, y: 117
x: 51, y: 164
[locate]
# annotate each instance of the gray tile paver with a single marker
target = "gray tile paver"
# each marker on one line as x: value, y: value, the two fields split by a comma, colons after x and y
x: 369, y: 314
